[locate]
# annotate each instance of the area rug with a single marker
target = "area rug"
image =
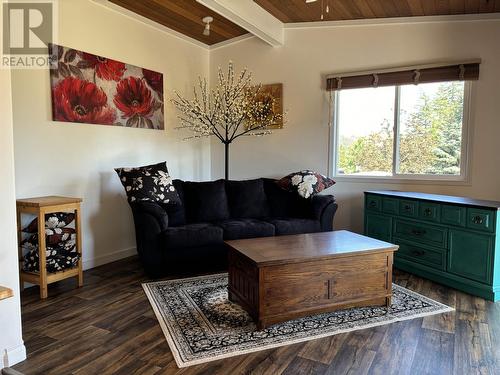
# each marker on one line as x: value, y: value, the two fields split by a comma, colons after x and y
x: 202, y: 325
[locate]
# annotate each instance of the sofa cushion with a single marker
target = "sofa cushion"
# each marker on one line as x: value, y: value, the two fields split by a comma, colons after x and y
x: 295, y: 226
x: 286, y: 204
x: 246, y: 228
x: 205, y: 201
x: 247, y: 199
x: 191, y: 235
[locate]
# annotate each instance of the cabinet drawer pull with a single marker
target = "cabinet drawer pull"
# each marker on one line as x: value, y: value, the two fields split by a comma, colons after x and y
x: 418, y: 232
x: 418, y: 253
x: 477, y: 219
x: 373, y: 204
x: 427, y: 212
x: 407, y: 207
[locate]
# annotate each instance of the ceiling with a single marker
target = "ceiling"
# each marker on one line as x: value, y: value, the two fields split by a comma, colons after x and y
x: 185, y: 17
x: 298, y: 11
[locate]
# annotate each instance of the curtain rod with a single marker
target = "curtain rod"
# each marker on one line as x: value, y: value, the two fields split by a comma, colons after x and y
x: 403, y: 68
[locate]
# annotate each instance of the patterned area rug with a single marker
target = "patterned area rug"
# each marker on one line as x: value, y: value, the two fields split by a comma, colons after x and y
x: 202, y: 325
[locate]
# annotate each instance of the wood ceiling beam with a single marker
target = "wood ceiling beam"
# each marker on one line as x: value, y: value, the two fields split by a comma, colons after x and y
x: 251, y: 17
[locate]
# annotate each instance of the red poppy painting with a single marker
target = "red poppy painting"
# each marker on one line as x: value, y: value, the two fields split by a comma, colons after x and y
x: 92, y: 89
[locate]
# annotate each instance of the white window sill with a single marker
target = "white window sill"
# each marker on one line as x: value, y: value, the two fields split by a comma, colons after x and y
x: 457, y: 181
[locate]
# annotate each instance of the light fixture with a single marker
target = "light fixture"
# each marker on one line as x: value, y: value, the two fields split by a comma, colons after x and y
x: 206, y: 21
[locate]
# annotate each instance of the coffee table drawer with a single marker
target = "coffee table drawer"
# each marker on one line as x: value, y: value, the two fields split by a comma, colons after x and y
x: 314, y: 284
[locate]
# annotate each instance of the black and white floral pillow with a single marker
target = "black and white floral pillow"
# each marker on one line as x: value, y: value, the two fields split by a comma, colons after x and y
x: 149, y: 183
x: 306, y: 183
x: 52, y: 221
x: 52, y: 236
x: 58, y: 257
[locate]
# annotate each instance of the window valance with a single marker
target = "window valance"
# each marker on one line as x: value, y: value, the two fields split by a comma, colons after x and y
x: 466, y: 71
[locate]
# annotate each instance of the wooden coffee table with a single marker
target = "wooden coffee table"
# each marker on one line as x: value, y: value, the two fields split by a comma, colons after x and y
x: 285, y: 277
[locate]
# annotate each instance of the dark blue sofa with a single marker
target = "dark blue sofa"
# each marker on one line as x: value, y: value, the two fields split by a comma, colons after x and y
x: 189, y: 237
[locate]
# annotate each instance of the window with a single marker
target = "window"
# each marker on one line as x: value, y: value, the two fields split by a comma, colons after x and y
x: 407, y: 131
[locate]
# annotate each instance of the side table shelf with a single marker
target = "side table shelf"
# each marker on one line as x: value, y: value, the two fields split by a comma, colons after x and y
x: 39, y: 207
x: 5, y: 293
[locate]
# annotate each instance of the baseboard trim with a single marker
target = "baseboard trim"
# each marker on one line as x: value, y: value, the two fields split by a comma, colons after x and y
x: 108, y: 258
x: 13, y: 356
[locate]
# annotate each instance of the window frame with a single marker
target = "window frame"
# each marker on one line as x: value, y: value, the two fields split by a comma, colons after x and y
x: 463, y: 178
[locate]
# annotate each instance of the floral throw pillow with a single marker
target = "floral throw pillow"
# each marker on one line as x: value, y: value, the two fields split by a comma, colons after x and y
x: 149, y: 183
x: 52, y: 221
x: 306, y: 183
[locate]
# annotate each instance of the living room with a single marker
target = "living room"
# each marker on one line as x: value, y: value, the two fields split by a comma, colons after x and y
x: 342, y: 71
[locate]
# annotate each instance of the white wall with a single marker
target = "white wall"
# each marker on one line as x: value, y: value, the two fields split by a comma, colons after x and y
x: 55, y: 158
x: 11, y: 344
x: 310, y: 53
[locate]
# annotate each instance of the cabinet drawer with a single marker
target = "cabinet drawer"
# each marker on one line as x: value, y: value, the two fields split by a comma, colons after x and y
x: 408, y: 208
x: 378, y: 226
x: 421, y: 233
x: 481, y: 219
x: 429, y: 211
x: 453, y: 215
x: 373, y: 202
x: 422, y: 254
x: 390, y: 205
x: 471, y: 255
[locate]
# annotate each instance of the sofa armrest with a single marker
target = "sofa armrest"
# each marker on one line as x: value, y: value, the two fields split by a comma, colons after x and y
x: 152, y: 209
x: 150, y: 220
x: 323, y: 209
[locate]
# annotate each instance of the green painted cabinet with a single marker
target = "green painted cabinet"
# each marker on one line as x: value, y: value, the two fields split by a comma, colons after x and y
x: 451, y: 240
x: 378, y: 226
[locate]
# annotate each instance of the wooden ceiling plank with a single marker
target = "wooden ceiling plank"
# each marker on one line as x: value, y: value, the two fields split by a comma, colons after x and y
x: 442, y: 6
x: 341, y: 10
x: 365, y: 9
x: 184, y: 18
x: 486, y: 6
x: 390, y: 9
x: 275, y: 10
x: 416, y: 8
x: 457, y: 6
x: 350, y: 8
x: 471, y: 6
x: 403, y: 8
x: 194, y: 15
x: 376, y: 8
x: 311, y: 11
x: 429, y: 7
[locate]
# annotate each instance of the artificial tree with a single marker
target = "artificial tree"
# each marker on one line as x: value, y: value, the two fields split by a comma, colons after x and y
x: 232, y: 109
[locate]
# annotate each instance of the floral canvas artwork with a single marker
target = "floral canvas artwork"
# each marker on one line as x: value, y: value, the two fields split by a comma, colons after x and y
x: 92, y: 89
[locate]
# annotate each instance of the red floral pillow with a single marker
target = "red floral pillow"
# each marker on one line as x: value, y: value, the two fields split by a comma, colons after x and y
x: 306, y: 183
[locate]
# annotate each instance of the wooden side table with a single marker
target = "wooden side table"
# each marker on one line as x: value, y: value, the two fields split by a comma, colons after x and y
x: 39, y: 207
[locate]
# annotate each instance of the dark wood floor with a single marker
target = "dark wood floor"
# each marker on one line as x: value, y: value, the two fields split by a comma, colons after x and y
x: 108, y: 327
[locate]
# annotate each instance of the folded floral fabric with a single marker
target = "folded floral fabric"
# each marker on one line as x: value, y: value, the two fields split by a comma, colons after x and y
x: 52, y: 236
x: 60, y: 256
x: 52, y: 221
